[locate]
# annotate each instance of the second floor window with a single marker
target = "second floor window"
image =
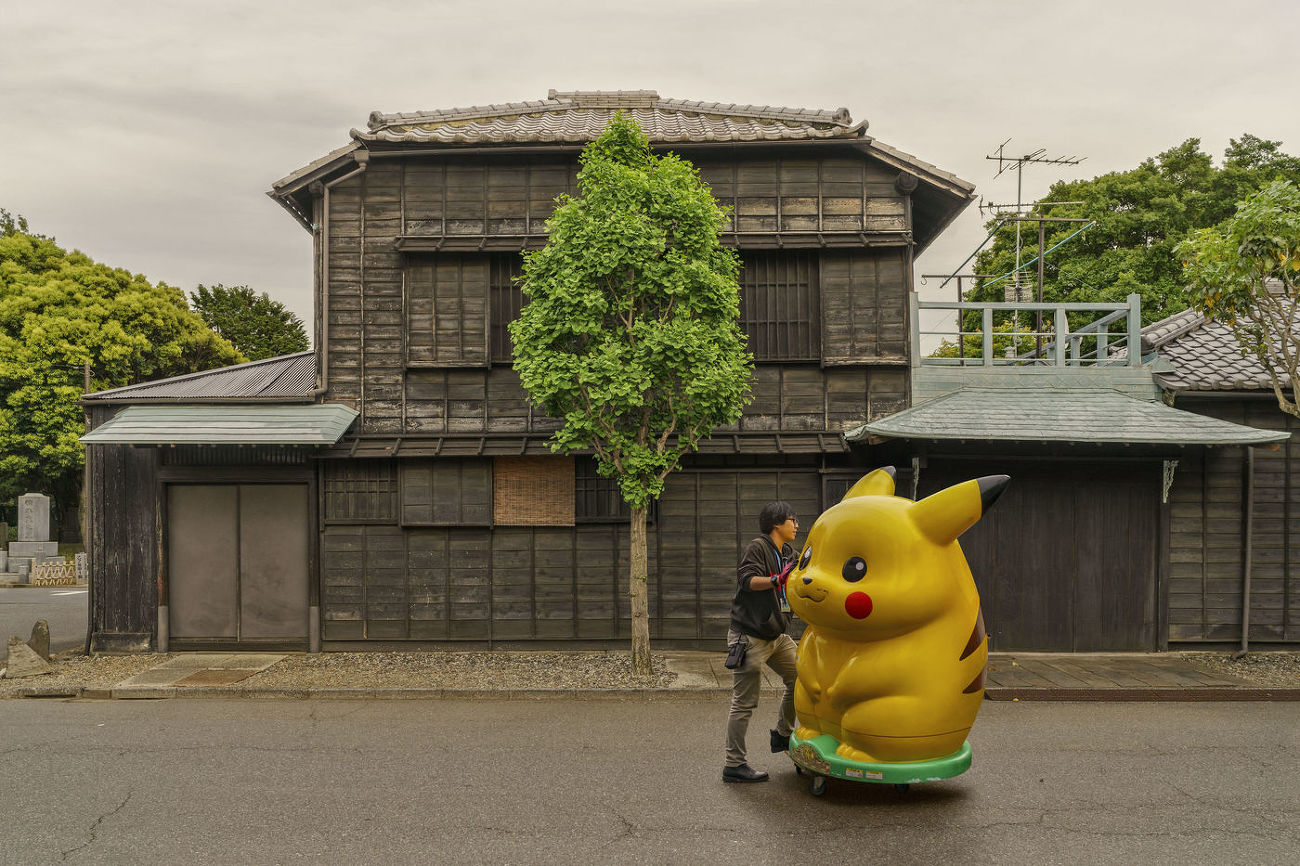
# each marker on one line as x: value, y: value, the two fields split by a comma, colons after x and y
x: 779, y: 305
x: 507, y: 300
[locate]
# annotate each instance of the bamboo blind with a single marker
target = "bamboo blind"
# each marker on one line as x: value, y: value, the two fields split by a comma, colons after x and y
x: 532, y: 491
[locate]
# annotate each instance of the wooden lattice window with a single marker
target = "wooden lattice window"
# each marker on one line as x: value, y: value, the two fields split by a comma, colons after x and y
x: 359, y: 491
x: 532, y: 491
x: 597, y: 499
x: 780, y: 309
x: 507, y: 300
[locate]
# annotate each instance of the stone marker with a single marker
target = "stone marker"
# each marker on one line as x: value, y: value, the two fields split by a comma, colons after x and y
x: 34, y: 549
x: 4, y: 533
x: 81, y: 565
x: 33, y: 517
x: 40, y: 642
x: 24, y: 662
x: 4, y: 560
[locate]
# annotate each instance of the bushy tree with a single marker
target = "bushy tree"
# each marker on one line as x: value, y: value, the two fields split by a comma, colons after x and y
x: 255, y: 324
x: 1244, y: 273
x: 1141, y: 216
x: 630, y: 331
x: 58, y: 311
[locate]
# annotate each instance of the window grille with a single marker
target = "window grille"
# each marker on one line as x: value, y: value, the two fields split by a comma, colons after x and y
x: 780, y: 310
x: 532, y: 491
x: 233, y: 455
x: 507, y: 300
x: 359, y: 491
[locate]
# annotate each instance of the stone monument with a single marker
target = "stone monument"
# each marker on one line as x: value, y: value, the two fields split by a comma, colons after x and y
x: 33, y: 545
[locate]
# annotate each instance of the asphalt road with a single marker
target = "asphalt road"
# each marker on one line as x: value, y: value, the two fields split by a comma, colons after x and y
x: 627, y: 782
x: 63, y: 607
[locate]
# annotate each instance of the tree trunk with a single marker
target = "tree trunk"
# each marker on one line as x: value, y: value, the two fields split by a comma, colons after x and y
x: 639, y: 595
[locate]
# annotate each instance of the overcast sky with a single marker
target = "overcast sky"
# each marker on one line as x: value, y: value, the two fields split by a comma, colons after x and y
x: 145, y: 134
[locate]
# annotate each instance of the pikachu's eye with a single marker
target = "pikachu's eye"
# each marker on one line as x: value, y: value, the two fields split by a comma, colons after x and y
x: 855, y: 569
x: 806, y: 558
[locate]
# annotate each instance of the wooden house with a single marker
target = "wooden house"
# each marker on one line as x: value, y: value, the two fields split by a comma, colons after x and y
x: 1124, y: 525
x: 394, y: 488
x: 225, y: 514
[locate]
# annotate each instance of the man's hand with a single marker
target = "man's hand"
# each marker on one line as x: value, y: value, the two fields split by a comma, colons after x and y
x: 778, y: 580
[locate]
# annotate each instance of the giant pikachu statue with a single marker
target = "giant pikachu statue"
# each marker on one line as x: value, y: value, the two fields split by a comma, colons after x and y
x: 891, y: 666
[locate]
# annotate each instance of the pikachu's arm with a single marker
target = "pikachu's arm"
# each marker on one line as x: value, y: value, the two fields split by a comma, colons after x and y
x: 857, y: 681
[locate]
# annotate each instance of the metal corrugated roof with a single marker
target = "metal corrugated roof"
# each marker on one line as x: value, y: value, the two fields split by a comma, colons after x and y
x: 581, y: 116
x: 1097, y: 415
x: 286, y: 377
x: 317, y: 424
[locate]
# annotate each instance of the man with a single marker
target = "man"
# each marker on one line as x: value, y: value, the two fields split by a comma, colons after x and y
x: 757, y: 617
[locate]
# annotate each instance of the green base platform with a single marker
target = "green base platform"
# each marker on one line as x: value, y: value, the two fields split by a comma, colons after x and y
x: 817, y: 756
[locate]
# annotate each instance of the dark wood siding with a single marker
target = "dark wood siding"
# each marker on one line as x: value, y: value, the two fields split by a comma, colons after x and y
x: 1066, y: 560
x: 447, y: 310
x: 555, y: 583
x: 396, y: 306
x: 800, y: 194
x: 864, y: 306
x: 123, y: 544
x: 794, y: 398
x: 1207, y: 526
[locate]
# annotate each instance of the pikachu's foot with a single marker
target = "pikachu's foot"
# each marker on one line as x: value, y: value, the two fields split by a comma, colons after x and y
x: 803, y: 732
x: 852, y: 754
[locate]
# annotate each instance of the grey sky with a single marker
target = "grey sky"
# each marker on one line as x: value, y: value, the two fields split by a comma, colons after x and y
x: 146, y: 133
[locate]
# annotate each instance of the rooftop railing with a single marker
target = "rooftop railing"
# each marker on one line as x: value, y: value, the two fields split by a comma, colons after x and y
x: 1032, y: 335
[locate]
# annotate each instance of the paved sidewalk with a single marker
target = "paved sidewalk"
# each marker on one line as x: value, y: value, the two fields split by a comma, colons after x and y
x: 1064, y: 677
x: 1012, y: 677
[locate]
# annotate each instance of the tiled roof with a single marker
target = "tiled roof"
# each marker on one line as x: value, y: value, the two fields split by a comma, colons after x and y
x: 1204, y: 355
x: 580, y: 116
x: 1096, y: 415
x: 287, y: 377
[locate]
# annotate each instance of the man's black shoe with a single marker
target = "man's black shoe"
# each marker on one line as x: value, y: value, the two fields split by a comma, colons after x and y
x: 780, y: 742
x: 743, y: 773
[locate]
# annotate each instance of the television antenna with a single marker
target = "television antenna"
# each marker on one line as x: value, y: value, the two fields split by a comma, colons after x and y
x: 1007, y: 163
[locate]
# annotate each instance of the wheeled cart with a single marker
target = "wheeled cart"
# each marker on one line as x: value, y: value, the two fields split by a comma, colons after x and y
x: 816, y: 758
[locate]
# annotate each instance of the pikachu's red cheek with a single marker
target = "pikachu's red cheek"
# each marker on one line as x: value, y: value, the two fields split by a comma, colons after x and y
x: 858, y: 605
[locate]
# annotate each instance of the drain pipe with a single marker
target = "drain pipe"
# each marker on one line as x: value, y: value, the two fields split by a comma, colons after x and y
x: 322, y: 351
x: 1249, y: 553
x: 363, y: 158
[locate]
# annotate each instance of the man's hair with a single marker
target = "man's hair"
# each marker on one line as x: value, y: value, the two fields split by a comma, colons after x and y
x: 774, y: 514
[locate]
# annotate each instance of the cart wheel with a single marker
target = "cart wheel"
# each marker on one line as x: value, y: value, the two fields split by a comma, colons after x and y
x: 817, y: 787
x: 902, y: 786
x: 798, y: 770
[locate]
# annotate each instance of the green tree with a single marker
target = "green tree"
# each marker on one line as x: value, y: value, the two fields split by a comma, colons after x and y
x: 630, y: 332
x: 58, y: 312
x: 1244, y: 273
x: 1140, y: 217
x: 256, y: 325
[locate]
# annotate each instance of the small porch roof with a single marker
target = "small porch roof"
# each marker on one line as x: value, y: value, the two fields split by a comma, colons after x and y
x: 1086, y: 415
x: 317, y: 424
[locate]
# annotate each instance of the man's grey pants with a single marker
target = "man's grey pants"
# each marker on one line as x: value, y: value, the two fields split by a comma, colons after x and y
x: 746, y: 682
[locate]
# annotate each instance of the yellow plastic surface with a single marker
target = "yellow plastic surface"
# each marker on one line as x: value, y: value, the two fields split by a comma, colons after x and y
x: 881, y: 665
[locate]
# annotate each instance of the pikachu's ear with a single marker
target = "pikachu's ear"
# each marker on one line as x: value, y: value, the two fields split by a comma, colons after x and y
x: 948, y: 513
x: 879, y: 482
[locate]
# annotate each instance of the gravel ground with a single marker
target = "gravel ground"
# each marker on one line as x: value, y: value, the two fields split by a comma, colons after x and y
x: 1264, y: 668
x: 451, y: 670
x: 74, y: 669
x: 463, y: 670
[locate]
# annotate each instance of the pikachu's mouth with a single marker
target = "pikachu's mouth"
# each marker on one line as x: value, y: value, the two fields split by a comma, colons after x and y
x: 812, y: 593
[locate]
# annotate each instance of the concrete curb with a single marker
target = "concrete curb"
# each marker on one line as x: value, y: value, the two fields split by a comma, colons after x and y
x: 1119, y: 695
x: 381, y: 694
x: 1148, y: 695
